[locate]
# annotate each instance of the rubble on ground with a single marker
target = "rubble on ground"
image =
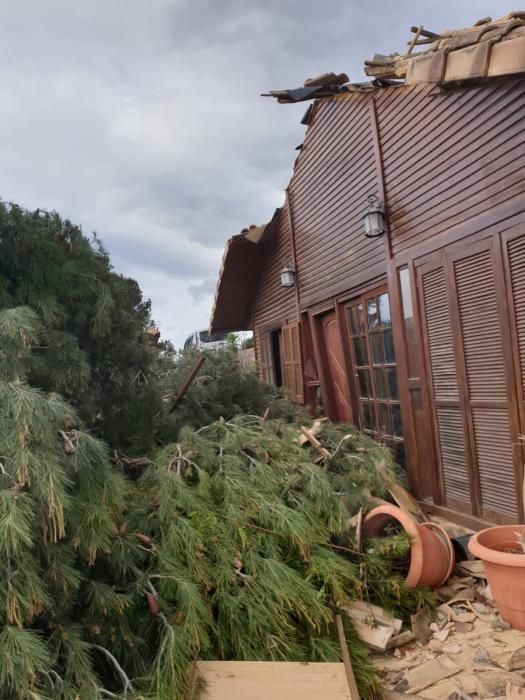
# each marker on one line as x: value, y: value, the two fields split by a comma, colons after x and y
x: 461, y: 650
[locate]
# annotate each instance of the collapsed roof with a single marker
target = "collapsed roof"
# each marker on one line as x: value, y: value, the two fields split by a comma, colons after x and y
x: 490, y: 48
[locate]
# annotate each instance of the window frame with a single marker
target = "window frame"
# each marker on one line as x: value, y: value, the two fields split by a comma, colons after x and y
x: 372, y: 381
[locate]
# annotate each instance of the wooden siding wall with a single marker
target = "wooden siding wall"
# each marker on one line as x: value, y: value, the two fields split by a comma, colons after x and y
x: 274, y: 305
x: 452, y: 170
x: 334, y: 175
x: 449, y: 155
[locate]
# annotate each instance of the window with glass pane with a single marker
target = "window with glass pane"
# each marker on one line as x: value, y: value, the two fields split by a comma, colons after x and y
x: 375, y: 371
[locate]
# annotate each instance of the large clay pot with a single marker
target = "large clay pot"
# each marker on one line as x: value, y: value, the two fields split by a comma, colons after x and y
x: 431, y: 552
x: 505, y: 569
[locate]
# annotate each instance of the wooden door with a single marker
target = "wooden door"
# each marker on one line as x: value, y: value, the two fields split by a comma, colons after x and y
x: 473, y: 381
x: 335, y: 391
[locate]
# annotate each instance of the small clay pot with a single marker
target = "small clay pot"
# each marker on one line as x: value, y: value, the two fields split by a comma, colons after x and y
x: 505, y: 569
x: 431, y: 551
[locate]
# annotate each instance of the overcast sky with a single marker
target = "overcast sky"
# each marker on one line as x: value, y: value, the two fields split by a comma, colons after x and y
x: 142, y: 120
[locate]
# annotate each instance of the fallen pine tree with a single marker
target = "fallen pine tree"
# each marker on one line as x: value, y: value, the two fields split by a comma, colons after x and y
x: 235, y: 543
x: 248, y: 548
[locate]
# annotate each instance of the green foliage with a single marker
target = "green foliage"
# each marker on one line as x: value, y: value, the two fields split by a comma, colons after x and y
x: 91, y: 321
x: 224, y: 388
x: 233, y: 544
x: 242, y: 562
x: 58, y: 498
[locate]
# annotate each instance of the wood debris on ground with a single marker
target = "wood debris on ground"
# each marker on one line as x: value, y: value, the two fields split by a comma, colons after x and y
x: 462, y: 650
x: 374, y: 626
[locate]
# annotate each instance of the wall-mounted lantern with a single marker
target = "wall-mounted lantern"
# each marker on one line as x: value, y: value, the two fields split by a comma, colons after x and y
x: 288, y: 275
x: 374, y: 219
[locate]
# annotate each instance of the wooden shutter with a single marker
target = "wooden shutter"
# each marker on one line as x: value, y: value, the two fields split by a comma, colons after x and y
x: 465, y: 312
x: 516, y: 258
x: 515, y: 268
x: 265, y: 358
x: 291, y: 362
x: 481, y: 329
x: 450, y: 428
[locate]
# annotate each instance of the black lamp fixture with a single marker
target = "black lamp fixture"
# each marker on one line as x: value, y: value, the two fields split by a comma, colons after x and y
x: 287, y: 274
x: 374, y: 218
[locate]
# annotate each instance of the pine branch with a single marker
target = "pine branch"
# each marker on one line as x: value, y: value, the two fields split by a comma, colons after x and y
x: 127, y: 685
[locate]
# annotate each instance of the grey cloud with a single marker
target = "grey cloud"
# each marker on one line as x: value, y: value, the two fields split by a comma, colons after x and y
x: 143, y: 120
x: 205, y: 289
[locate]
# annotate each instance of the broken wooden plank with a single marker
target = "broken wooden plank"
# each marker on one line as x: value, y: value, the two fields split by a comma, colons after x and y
x: 189, y: 380
x: 413, y: 42
x: 374, y: 626
x: 314, y: 430
x: 352, y: 685
x: 517, y: 660
x: 421, y: 625
x: 279, y: 680
x: 399, y: 640
x: 324, y: 453
x: 472, y: 568
x: 464, y: 596
x: 406, y: 502
x: 429, y: 673
x: 359, y: 530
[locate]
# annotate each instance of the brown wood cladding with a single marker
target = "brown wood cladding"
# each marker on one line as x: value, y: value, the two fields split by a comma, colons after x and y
x: 449, y: 155
x: 334, y: 176
x: 273, y: 305
x: 453, y: 178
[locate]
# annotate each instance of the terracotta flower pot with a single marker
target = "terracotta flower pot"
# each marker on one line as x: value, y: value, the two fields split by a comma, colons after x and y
x: 431, y: 551
x: 505, y: 569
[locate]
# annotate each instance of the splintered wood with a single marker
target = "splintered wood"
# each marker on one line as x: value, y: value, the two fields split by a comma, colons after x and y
x: 374, y: 626
x: 463, y: 649
x: 262, y: 680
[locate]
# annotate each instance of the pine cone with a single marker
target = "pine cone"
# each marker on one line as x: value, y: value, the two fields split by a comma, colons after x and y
x: 153, y: 605
x: 123, y: 529
x: 143, y: 538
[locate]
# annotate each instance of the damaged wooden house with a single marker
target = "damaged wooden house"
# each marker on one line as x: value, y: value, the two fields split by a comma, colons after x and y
x: 389, y: 289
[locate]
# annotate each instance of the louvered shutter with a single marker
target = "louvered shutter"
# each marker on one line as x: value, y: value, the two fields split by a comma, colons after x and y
x: 481, y: 330
x: 450, y: 428
x: 265, y: 359
x: 292, y: 367
x: 515, y: 250
x: 465, y: 313
x: 516, y: 257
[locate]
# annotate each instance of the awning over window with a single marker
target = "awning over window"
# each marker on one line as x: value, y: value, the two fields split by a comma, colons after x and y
x: 241, y: 265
